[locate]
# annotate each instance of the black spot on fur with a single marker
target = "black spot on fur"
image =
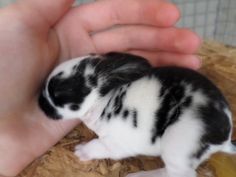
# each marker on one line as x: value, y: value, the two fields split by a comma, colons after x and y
x: 117, y: 100
x: 135, y: 118
x: 103, y: 113
x: 108, y: 116
x: 162, y: 92
x: 74, y: 67
x: 118, y: 103
x: 92, y: 80
x: 178, y: 92
x: 80, y: 68
x: 201, y: 151
x: 123, y: 94
x: 187, y: 102
x: 163, y: 117
x: 105, y: 109
x: 125, y: 113
x: 217, y: 125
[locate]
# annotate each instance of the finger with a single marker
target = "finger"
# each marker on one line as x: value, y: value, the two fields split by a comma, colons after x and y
x: 147, y: 38
x: 170, y: 59
x: 46, y: 11
x: 103, y: 14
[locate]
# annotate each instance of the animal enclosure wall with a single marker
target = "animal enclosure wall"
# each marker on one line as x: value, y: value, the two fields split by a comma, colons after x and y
x: 211, y: 19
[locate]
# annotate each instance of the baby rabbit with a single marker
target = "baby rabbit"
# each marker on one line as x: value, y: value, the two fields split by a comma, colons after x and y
x: 136, y: 109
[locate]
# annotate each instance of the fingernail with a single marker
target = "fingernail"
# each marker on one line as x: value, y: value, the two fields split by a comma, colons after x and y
x: 171, y: 16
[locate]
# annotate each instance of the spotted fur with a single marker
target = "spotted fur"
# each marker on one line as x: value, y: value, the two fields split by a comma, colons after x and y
x: 135, y: 109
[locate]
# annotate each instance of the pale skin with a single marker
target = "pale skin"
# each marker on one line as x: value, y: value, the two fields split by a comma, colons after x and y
x: 36, y: 34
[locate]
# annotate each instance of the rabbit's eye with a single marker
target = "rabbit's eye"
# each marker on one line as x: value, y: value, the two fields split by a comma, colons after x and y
x: 74, y: 107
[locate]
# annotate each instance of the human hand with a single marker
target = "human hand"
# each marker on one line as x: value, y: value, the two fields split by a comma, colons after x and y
x: 35, y: 33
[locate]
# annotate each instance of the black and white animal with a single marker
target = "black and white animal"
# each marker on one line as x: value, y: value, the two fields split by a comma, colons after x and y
x: 136, y: 109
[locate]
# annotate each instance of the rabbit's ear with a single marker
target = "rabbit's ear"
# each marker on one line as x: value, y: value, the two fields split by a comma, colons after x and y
x: 120, y: 68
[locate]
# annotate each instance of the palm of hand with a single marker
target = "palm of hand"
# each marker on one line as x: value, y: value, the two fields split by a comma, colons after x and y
x: 32, y: 43
x: 30, y: 49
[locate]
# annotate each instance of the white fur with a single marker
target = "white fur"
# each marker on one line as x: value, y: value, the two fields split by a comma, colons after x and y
x: 199, y: 98
x: 129, y: 136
